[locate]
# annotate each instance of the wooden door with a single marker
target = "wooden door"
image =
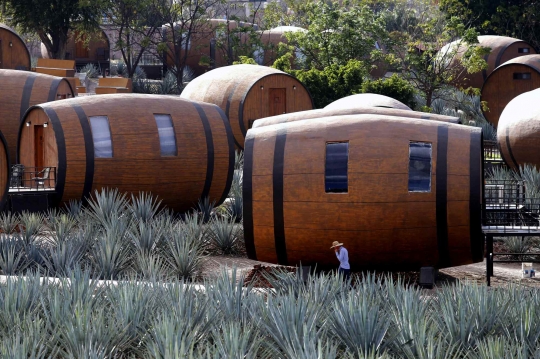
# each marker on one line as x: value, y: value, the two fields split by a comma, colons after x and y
x: 81, y: 51
x: 38, y: 146
x: 278, y: 102
x: 1, y: 58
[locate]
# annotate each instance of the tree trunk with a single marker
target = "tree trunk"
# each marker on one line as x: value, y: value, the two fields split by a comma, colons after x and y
x: 55, y: 44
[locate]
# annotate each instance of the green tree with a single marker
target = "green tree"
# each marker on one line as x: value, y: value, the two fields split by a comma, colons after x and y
x: 514, y: 18
x: 182, y: 19
x: 52, y: 20
x: 331, y: 83
x: 337, y: 31
x: 136, y: 23
x: 394, y: 86
x: 424, y: 60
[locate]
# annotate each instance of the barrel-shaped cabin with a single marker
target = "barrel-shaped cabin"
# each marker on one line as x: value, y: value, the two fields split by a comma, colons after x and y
x: 176, y: 149
x: 360, y: 110
x: 511, y: 79
x: 518, y: 131
x: 400, y: 193
x: 270, y: 40
x: 210, y: 45
x: 367, y: 100
x: 14, y: 54
x: 503, y: 49
x: 19, y: 90
x: 247, y: 93
x: 85, y: 49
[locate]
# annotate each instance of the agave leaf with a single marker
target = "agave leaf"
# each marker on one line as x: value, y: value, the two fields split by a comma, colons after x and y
x: 144, y: 207
x: 9, y: 222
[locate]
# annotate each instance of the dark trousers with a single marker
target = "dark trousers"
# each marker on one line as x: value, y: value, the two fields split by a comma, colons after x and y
x: 346, y: 273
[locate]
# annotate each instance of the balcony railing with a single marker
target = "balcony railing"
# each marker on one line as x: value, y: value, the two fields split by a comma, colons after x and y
x: 508, y: 207
x: 491, y: 152
x: 32, y: 178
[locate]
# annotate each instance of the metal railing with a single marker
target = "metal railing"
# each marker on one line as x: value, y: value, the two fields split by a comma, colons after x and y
x: 507, y: 207
x: 491, y: 152
x: 32, y: 178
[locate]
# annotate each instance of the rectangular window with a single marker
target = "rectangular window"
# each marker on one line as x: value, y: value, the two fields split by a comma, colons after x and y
x: 524, y: 50
x: 419, y: 167
x: 167, y: 137
x: 335, y: 171
x: 101, y: 133
x: 522, y: 75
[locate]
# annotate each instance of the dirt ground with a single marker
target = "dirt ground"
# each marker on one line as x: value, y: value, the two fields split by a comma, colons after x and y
x: 504, y: 273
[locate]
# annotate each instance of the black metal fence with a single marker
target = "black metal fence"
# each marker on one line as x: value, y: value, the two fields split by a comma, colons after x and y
x: 507, y: 206
x: 491, y: 152
x: 32, y: 178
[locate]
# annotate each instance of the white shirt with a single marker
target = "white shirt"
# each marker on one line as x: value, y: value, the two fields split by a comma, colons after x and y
x: 343, y: 257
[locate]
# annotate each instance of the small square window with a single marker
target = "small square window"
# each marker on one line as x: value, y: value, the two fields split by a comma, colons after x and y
x: 167, y: 137
x: 419, y: 167
x: 101, y: 134
x: 522, y: 75
x: 336, y: 167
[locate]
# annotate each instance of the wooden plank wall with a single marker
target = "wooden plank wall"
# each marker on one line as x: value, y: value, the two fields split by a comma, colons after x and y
x: 204, y: 163
x: 382, y: 224
x: 15, y: 55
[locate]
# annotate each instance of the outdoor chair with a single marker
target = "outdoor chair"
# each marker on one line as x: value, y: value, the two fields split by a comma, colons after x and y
x: 17, y: 172
x: 41, y: 177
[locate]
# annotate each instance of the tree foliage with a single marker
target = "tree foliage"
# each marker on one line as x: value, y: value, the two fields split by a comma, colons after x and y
x: 514, y: 18
x: 337, y: 32
x: 331, y: 83
x: 136, y: 23
x: 394, y: 86
x: 52, y: 20
x: 421, y: 55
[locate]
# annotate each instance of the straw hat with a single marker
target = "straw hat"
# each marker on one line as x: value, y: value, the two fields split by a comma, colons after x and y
x: 336, y: 244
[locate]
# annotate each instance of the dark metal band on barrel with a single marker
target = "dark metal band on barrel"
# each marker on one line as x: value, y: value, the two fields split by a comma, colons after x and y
x: 475, y: 196
x: 500, y: 55
x: 61, y: 145
x: 6, y: 189
x: 516, y: 166
x: 247, y: 195
x: 230, y: 143
x: 228, y: 107
x: 209, y: 151
x: 27, y: 92
x: 89, y: 152
x: 54, y: 89
x: 442, y: 196
x: 277, y: 182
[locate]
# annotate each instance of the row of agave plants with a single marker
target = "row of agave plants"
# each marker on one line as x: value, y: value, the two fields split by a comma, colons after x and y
x: 77, y: 317
x: 116, y: 237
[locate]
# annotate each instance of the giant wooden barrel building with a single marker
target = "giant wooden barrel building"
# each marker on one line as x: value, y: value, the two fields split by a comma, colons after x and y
x: 360, y: 110
x: 19, y: 90
x: 270, y: 39
x: 83, y: 50
x: 518, y: 131
x: 503, y: 48
x: 398, y: 192
x: 176, y: 149
x: 514, y: 77
x: 14, y: 54
x: 367, y: 100
x: 247, y: 93
x: 204, y: 52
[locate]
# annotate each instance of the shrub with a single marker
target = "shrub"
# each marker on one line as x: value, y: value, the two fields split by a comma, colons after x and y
x: 331, y: 83
x: 395, y: 87
x: 91, y: 71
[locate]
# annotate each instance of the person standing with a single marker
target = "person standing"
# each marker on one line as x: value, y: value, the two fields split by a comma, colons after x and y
x: 343, y: 256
